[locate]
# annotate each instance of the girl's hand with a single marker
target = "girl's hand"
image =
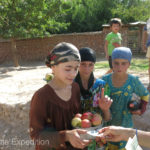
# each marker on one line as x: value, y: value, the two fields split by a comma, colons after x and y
x: 104, y: 102
x: 73, y: 136
x: 142, y: 109
x: 136, y: 112
x: 111, y: 133
x: 107, y: 57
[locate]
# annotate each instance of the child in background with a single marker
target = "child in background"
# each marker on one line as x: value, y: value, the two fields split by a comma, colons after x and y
x: 112, y: 40
x: 54, y: 105
x: 122, y: 86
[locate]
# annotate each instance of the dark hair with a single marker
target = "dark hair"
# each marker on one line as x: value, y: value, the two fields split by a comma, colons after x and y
x: 87, y: 54
x: 115, y: 21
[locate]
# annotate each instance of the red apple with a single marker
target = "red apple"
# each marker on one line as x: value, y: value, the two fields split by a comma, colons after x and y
x: 78, y: 115
x: 76, y: 122
x: 85, y: 123
x: 87, y: 115
x: 96, y: 120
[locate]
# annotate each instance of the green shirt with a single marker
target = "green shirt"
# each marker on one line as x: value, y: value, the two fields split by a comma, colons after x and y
x: 112, y: 38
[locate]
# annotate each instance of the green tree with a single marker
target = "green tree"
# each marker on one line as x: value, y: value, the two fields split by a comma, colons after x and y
x: 132, y: 10
x: 88, y: 15
x: 28, y: 19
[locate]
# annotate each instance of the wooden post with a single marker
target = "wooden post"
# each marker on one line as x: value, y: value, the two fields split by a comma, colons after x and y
x: 14, y: 52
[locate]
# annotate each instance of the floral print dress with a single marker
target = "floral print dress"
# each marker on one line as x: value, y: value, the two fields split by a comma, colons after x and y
x: 121, y: 115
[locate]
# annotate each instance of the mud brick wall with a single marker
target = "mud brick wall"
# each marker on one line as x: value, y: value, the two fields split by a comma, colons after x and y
x: 37, y: 49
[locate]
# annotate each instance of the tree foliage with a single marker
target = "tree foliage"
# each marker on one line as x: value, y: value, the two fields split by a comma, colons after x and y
x: 132, y: 10
x: 30, y: 18
x: 36, y: 18
x: 90, y: 15
x: 39, y: 18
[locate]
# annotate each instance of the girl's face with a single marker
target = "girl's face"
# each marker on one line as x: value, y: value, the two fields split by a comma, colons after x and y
x: 115, y: 27
x: 66, y: 72
x: 86, y: 68
x: 120, y: 66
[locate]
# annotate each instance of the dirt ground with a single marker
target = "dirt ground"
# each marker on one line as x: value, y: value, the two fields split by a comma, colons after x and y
x: 17, y: 86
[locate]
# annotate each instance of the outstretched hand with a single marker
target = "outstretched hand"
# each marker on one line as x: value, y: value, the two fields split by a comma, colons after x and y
x: 111, y: 133
x: 104, y: 101
x: 73, y: 136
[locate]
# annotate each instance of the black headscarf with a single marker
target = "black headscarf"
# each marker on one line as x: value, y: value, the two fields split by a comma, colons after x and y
x: 87, y: 54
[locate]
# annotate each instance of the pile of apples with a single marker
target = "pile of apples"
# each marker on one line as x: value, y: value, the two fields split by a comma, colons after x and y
x: 86, y: 120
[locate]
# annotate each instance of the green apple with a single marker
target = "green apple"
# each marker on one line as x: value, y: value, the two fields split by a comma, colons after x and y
x: 76, y: 122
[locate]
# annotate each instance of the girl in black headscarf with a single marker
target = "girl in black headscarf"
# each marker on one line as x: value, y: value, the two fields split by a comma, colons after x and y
x: 90, y: 87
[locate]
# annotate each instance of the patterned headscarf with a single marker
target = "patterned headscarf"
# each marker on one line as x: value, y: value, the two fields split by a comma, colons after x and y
x: 122, y: 53
x: 62, y: 52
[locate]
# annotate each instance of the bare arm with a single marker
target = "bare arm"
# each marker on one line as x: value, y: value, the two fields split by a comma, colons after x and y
x: 106, y: 49
x: 116, y: 133
x: 107, y: 115
x: 143, y: 136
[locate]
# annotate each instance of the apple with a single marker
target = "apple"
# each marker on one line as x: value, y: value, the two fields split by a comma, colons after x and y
x: 85, y: 123
x: 96, y: 120
x: 78, y: 115
x: 76, y: 122
x: 87, y: 115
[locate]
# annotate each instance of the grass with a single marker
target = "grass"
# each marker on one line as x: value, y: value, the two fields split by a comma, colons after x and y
x: 137, y: 64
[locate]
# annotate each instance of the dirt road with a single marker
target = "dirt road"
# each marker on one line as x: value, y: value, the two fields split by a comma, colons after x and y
x: 17, y: 86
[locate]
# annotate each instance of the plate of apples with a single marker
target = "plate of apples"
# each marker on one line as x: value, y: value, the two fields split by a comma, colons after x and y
x: 89, y: 121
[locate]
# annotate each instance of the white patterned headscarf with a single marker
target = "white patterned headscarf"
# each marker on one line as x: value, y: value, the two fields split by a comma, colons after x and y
x: 62, y: 52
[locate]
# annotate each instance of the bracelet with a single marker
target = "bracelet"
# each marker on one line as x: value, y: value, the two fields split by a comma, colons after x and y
x: 136, y: 131
x: 136, y: 134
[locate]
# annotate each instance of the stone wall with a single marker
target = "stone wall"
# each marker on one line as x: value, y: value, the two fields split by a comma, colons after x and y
x: 14, y: 125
